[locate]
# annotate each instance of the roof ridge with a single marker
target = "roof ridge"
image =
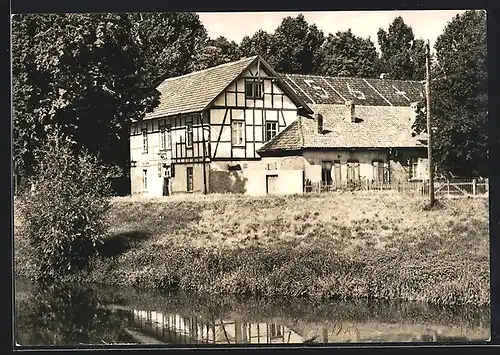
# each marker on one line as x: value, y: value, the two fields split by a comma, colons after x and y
x: 208, y: 69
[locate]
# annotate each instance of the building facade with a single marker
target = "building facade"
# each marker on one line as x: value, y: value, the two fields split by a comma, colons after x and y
x: 239, y: 127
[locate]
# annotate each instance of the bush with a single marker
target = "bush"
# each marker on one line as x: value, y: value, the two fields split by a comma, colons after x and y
x: 64, y: 218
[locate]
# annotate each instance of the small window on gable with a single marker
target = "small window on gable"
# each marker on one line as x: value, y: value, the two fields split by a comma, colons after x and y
x: 253, y: 89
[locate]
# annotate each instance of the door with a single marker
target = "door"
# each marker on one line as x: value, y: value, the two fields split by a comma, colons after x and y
x: 189, y: 174
x: 271, y: 184
x: 166, y: 186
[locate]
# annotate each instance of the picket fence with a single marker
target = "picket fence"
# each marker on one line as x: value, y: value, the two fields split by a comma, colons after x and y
x: 455, y: 187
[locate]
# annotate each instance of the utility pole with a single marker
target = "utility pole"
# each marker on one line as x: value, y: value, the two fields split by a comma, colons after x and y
x: 429, y: 129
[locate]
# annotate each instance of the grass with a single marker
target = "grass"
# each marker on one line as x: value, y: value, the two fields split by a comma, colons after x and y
x: 378, y: 245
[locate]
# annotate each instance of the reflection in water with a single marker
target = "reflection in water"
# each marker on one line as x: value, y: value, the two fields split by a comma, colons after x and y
x: 71, y: 316
x: 175, y: 328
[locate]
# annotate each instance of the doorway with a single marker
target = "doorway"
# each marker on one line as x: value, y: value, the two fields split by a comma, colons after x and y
x: 166, y: 186
x: 271, y: 184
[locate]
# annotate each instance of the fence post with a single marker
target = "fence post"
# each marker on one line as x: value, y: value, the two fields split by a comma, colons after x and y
x: 448, y: 186
x: 474, y: 187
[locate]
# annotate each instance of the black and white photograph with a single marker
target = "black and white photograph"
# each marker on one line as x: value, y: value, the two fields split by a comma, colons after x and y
x: 250, y: 178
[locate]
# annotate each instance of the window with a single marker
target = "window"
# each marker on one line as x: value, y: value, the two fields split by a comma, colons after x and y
x: 169, y: 138
x: 189, y: 174
x: 380, y: 171
x: 238, y: 137
x: 163, y: 137
x: 144, y: 141
x: 353, y: 171
x: 326, y: 172
x: 253, y: 89
x: 413, y: 162
x: 271, y: 130
x: 189, y: 133
x: 144, y: 180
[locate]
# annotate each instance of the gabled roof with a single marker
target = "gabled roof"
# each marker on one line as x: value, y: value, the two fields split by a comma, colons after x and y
x: 375, y: 127
x: 315, y: 89
x: 195, y: 92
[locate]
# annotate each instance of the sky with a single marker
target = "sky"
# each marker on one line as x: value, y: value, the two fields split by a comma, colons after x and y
x: 234, y: 26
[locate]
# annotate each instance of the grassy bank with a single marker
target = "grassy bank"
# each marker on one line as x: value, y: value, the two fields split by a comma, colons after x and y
x: 379, y: 245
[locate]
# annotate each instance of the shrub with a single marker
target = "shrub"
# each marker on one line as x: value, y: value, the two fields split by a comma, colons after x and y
x: 64, y: 218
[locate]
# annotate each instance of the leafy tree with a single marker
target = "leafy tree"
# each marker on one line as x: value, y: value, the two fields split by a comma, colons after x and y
x: 215, y: 52
x: 64, y: 218
x: 296, y: 46
x: 83, y: 73
x: 403, y: 56
x: 169, y: 43
x: 459, y: 97
x: 345, y: 54
x: 260, y: 43
x: 91, y: 74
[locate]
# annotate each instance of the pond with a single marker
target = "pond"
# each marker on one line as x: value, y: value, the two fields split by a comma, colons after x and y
x: 67, y: 316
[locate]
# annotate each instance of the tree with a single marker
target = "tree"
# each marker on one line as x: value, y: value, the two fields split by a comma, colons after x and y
x: 82, y: 73
x: 345, y: 54
x: 64, y: 218
x: 91, y: 74
x: 169, y: 43
x: 260, y: 43
x: 296, y: 46
x: 459, y: 97
x: 215, y: 52
x: 402, y: 56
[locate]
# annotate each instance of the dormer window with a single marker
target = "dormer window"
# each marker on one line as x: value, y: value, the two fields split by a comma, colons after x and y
x: 253, y: 89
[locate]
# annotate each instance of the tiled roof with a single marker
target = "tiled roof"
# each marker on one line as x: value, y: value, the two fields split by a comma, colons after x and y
x: 314, y: 89
x: 193, y: 92
x: 375, y: 127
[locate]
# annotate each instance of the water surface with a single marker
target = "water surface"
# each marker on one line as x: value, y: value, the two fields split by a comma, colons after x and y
x: 68, y: 316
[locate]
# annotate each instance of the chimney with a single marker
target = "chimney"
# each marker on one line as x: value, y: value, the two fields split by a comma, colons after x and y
x: 319, y: 121
x: 350, y: 111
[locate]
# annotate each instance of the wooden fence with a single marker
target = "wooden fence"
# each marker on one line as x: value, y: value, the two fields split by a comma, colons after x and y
x: 455, y: 187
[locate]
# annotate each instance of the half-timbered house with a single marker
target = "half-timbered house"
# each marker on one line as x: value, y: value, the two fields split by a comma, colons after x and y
x: 241, y: 127
x: 204, y: 134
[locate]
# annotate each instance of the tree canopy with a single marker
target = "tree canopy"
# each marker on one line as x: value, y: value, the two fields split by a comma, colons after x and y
x: 402, y: 56
x: 296, y: 46
x: 215, y: 52
x: 459, y: 97
x: 89, y: 75
x: 345, y: 54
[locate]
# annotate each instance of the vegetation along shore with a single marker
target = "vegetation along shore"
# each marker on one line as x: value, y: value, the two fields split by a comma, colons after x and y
x: 342, y: 245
